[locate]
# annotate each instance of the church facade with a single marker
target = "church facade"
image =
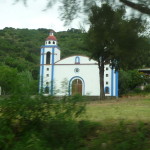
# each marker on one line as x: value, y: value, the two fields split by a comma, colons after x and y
x: 72, y: 75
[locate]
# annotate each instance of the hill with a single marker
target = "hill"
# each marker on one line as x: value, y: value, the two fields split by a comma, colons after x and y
x: 20, y: 48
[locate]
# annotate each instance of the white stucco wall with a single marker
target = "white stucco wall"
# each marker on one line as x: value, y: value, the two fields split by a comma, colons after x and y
x: 64, y: 71
x: 89, y: 74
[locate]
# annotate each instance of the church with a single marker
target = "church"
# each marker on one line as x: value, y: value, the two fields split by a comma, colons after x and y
x: 72, y: 75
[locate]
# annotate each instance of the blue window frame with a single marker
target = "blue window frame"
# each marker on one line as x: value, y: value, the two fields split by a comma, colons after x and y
x: 77, y: 60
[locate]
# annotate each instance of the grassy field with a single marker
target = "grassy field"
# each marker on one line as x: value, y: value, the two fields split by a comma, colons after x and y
x: 120, y: 124
x: 136, y: 108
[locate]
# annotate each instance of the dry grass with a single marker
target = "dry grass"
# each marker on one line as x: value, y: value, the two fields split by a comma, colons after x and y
x: 135, y: 108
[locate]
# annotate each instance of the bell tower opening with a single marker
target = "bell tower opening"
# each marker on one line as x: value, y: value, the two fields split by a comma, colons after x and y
x: 48, y: 57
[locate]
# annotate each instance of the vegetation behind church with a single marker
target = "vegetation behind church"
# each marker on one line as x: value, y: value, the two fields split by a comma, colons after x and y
x: 20, y: 52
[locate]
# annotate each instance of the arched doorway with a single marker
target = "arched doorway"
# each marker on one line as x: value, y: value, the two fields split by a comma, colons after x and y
x: 77, y: 87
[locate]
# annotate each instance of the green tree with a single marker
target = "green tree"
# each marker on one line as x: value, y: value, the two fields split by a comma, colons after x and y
x: 109, y: 41
x: 25, y: 84
x: 7, y: 79
x: 129, y: 80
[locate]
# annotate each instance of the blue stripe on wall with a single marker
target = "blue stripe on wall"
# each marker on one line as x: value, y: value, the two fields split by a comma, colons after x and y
x: 52, y: 71
x: 117, y: 77
x: 55, y: 46
x: 42, y: 76
x: 112, y: 81
x: 40, y: 72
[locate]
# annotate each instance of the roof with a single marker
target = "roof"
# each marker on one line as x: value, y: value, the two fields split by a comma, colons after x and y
x: 144, y: 69
x: 83, y: 60
x: 51, y: 37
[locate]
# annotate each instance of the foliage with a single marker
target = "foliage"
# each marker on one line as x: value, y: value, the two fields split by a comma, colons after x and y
x: 71, y: 9
x: 40, y: 122
x: 7, y: 78
x: 20, y: 48
x: 47, y: 123
x: 129, y: 80
x: 121, y: 135
x: 109, y: 42
x: 147, y: 88
x: 109, y: 34
x: 71, y: 42
x: 13, y: 82
x: 25, y: 84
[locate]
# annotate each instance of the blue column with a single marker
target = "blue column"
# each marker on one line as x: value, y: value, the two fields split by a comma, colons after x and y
x: 52, y: 71
x: 112, y: 81
x: 42, y: 75
x: 117, y: 78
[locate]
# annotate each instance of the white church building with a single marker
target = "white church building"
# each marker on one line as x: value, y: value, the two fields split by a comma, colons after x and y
x: 72, y: 75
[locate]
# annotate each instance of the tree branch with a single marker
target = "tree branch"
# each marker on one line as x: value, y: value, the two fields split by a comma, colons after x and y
x: 140, y: 7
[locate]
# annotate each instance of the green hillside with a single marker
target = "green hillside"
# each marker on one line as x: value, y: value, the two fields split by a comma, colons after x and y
x: 20, y: 48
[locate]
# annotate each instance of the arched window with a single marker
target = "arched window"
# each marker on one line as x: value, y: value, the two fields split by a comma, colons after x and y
x: 48, y: 56
x: 107, y: 90
x: 49, y: 42
x: 53, y: 42
x: 76, y: 87
x: 77, y: 60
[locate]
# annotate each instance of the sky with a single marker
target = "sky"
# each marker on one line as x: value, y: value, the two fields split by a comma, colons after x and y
x: 31, y: 16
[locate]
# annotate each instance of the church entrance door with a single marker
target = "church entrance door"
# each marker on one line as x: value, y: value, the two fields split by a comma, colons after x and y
x: 76, y: 87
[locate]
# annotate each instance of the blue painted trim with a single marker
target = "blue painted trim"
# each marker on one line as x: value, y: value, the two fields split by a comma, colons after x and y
x: 77, y: 60
x: 52, y: 72
x: 117, y: 78
x: 45, y: 46
x: 70, y: 85
x: 112, y: 81
x: 42, y: 75
x: 40, y: 79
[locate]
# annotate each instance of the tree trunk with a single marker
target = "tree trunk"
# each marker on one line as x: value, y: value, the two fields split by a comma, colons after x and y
x: 101, y: 77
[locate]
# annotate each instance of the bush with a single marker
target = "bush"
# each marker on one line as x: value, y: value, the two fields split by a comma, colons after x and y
x: 40, y: 122
x: 147, y: 88
x: 129, y: 80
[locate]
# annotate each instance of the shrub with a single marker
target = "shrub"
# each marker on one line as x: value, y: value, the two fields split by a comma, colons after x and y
x: 129, y: 80
x: 23, y: 120
x: 147, y: 88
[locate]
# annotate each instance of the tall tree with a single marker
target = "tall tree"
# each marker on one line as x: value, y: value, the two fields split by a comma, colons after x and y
x: 112, y: 39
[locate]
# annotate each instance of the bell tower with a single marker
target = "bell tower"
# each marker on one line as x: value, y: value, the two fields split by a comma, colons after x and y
x: 50, y: 53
